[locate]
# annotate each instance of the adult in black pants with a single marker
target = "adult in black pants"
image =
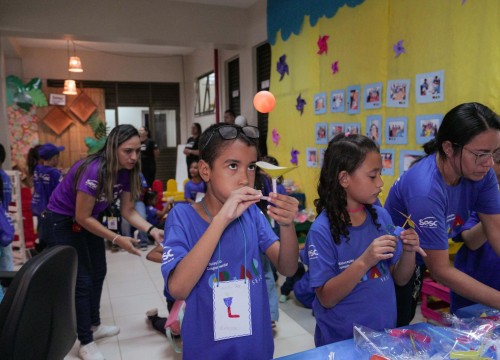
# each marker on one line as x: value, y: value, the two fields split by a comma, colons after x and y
x: 149, y: 154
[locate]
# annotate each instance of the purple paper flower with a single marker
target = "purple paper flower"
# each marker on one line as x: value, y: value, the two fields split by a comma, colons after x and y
x: 399, y: 48
x: 322, y: 44
x: 335, y: 67
x: 295, y: 157
x: 282, y: 67
x: 276, y: 137
x: 300, y: 104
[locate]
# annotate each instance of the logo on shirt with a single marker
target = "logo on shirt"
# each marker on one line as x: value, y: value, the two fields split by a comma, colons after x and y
x: 312, y: 253
x: 91, y: 184
x: 167, y: 256
x: 429, y: 222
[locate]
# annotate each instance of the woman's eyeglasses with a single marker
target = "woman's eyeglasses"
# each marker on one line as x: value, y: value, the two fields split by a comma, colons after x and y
x: 230, y: 132
x: 483, y: 158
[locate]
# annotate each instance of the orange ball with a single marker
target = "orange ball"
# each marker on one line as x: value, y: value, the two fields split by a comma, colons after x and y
x: 264, y: 101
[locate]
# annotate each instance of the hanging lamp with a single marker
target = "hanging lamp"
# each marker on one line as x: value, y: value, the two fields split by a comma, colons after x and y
x: 74, y: 62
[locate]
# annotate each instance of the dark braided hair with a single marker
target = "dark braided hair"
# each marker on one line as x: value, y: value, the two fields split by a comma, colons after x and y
x: 344, y: 153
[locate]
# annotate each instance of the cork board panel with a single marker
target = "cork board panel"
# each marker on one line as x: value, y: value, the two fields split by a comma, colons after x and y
x: 82, y: 107
x: 57, y: 120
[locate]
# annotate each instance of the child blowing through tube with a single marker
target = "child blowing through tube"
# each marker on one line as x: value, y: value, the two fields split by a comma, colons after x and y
x: 212, y: 251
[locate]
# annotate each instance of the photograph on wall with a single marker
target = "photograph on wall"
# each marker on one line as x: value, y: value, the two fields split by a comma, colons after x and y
x: 322, y: 152
x: 321, y: 133
x: 429, y: 87
x: 312, y: 157
x: 320, y: 103
x: 398, y: 93
x: 352, y: 128
x: 427, y: 127
x: 396, y: 130
x: 353, y: 93
x: 337, y: 101
x: 373, y: 96
x: 408, y: 157
x: 388, y: 159
x: 374, y: 128
x: 335, y: 128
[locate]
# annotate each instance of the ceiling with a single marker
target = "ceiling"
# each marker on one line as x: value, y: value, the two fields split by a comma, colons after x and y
x: 124, y: 48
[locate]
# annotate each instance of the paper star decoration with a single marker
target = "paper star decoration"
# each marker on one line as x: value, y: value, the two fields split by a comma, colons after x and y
x: 322, y: 44
x: 335, y: 67
x: 276, y: 137
x: 282, y: 67
x: 399, y: 48
x: 463, y: 2
x: 300, y: 104
x: 295, y: 157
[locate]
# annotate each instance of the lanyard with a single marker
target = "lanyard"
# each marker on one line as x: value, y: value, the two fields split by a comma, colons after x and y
x: 218, y: 244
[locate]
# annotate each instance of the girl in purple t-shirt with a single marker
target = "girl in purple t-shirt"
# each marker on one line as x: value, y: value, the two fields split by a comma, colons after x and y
x: 72, y: 218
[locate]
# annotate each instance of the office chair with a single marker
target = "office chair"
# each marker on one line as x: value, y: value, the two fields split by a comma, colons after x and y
x: 37, y: 314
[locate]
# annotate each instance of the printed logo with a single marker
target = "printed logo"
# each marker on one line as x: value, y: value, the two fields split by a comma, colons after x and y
x: 429, y: 222
x: 91, y: 184
x: 312, y: 253
x: 167, y: 256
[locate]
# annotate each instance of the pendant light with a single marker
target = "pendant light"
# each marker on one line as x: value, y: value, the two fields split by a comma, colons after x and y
x: 70, y: 84
x: 74, y: 62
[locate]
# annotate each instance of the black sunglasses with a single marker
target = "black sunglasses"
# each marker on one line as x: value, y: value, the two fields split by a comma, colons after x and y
x: 230, y: 132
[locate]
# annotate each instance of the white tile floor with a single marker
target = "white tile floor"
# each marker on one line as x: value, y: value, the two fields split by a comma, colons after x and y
x: 134, y: 285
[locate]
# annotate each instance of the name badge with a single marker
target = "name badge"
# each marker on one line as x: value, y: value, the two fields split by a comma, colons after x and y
x: 112, y: 223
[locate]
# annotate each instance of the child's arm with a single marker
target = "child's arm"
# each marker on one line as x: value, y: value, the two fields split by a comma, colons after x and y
x: 189, y: 270
x: 161, y: 213
x: 156, y: 254
x: 284, y: 254
x: 405, y: 267
x: 338, y: 287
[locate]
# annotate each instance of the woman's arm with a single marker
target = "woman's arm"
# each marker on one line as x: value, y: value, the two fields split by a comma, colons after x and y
x: 442, y: 271
x: 127, y: 210
x: 474, y: 237
x: 83, y: 215
x: 491, y: 229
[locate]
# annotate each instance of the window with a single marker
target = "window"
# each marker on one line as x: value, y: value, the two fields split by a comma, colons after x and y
x: 205, y: 95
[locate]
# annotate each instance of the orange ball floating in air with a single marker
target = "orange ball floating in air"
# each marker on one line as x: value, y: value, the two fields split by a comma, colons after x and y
x: 264, y: 101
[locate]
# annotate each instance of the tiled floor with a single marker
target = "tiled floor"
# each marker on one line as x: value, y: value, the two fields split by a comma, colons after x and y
x: 133, y: 285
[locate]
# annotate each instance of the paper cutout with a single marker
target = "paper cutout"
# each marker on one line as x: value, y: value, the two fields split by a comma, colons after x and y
x: 335, y: 67
x: 57, y: 120
x: 273, y: 170
x: 295, y: 157
x: 25, y: 95
x: 322, y: 44
x: 300, y: 104
x: 83, y: 107
x: 399, y: 48
x: 282, y: 67
x: 276, y: 137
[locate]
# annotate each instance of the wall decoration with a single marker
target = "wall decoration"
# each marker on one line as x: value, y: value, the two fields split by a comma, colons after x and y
x: 57, y: 99
x: 352, y: 128
x: 374, y: 128
x: 100, y: 130
x: 57, y: 120
x: 294, y: 160
x: 275, y: 137
x: 429, y: 87
x: 398, y: 48
x: 388, y: 159
x: 282, y: 66
x: 321, y: 133
x: 353, y: 93
x: 83, y: 107
x: 322, y: 152
x: 337, y: 101
x: 396, y: 130
x: 398, y: 93
x: 312, y: 157
x: 407, y: 157
x: 300, y: 104
x: 322, y: 44
x: 25, y: 95
x: 335, y: 128
x: 427, y: 126
x: 320, y: 103
x: 335, y: 67
x: 373, y: 96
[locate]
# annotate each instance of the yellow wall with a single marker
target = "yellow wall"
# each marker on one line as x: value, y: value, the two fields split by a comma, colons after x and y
x: 461, y: 39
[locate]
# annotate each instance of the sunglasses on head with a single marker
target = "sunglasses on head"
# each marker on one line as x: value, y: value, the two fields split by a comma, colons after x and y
x: 230, y: 132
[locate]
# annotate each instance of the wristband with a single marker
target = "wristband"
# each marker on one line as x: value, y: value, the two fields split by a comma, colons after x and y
x: 149, y: 230
x: 114, y: 239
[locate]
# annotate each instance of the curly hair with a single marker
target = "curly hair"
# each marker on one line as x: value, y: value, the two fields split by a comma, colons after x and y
x: 344, y: 153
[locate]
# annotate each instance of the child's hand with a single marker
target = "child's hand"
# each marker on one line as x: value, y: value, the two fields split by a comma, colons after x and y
x: 238, y: 202
x: 284, y: 210
x: 411, y: 242
x: 157, y: 234
x: 382, y: 248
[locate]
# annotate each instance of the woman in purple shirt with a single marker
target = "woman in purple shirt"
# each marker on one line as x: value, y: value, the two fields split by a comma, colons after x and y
x: 71, y: 218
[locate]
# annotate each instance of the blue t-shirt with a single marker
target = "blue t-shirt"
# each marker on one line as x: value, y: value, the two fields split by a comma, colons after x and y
x: 151, y: 215
x: 439, y: 210
x: 7, y: 190
x: 191, y: 189
x: 183, y: 228
x: 372, y: 302
x: 63, y: 198
x: 45, y: 180
x: 482, y: 264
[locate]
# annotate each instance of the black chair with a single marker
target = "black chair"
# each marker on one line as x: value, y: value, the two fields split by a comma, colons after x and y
x: 37, y: 314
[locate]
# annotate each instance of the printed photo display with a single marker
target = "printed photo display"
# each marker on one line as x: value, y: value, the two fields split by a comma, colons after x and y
x: 335, y: 128
x: 337, y: 101
x: 353, y: 106
x: 388, y: 157
x: 312, y: 157
x: 321, y: 133
x: 320, y: 103
x: 427, y: 126
x: 407, y: 157
x: 373, y: 96
x: 396, y: 130
x: 430, y: 87
x: 398, y: 93
x: 374, y: 127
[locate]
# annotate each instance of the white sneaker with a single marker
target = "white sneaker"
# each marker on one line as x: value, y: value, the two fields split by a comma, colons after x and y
x: 102, y: 331
x: 90, y: 352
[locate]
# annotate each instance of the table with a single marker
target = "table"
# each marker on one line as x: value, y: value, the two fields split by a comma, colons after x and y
x: 475, y: 311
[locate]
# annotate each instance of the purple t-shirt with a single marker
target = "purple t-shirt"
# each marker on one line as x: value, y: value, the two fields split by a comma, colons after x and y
x: 63, y: 198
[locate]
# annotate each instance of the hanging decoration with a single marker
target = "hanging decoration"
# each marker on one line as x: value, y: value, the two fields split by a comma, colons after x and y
x: 282, y: 66
x: 323, y: 45
x: 399, y: 48
x: 25, y: 95
x: 100, y: 135
x: 300, y: 104
x: 335, y: 67
x: 294, y: 157
x: 275, y: 137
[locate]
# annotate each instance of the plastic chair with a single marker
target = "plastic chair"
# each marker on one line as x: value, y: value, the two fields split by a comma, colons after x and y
x: 172, y: 191
x: 158, y: 187
x: 37, y: 314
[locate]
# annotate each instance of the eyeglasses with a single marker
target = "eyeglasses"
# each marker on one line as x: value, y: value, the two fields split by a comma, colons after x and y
x: 230, y: 132
x: 482, y: 158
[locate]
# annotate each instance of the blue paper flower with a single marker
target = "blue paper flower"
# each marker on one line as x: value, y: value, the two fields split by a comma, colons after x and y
x: 399, y: 48
x: 282, y: 66
x: 300, y: 104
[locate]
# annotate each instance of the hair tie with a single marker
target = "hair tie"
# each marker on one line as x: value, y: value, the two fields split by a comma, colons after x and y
x: 347, y: 134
